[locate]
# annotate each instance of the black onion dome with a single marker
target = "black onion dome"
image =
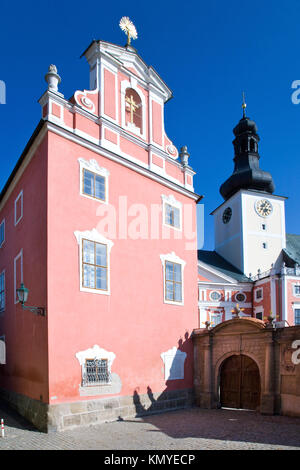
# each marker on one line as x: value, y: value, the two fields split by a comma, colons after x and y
x: 247, y: 173
x: 245, y: 125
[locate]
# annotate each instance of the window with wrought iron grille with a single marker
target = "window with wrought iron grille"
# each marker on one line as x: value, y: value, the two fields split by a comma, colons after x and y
x: 96, y: 372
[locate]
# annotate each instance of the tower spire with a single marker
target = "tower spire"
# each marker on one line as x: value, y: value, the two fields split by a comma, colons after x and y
x: 247, y: 173
x: 244, y: 106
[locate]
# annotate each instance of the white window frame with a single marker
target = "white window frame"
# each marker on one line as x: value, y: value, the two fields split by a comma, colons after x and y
x: 241, y: 293
x: 2, y: 224
x: 262, y: 294
x: 294, y: 289
x: 93, y: 167
x: 96, y: 353
x: 172, y: 258
x: 20, y: 195
x: 215, y: 300
x: 93, y: 236
x: 3, y: 309
x: 19, y: 255
x: 171, y: 201
x: 296, y: 306
x: 258, y: 313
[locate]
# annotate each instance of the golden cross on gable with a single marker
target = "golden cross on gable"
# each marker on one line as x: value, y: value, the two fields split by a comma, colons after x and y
x: 132, y: 106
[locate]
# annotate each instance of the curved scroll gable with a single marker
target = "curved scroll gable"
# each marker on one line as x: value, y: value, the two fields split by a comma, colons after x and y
x: 88, y: 100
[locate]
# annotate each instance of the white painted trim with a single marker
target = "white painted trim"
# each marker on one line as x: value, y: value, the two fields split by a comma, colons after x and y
x: 85, y: 102
x: 217, y: 273
x: 240, y: 301
x: 259, y: 309
x: 95, y: 353
x: 20, y: 195
x: 170, y: 183
x: 213, y: 292
x: 225, y: 304
x: 94, y: 236
x: 173, y: 258
x: 218, y: 314
x: 256, y: 290
x: 19, y: 255
x: 93, y: 166
x: 168, y: 358
x: 295, y: 306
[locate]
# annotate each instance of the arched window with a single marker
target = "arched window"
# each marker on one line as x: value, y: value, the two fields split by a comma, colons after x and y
x: 252, y: 145
x: 133, y: 110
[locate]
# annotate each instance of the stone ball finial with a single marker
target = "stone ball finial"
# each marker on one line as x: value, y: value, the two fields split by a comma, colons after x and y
x: 184, y: 155
x: 52, y: 78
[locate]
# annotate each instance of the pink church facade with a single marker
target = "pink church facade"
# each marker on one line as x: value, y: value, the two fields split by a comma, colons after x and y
x: 98, y: 220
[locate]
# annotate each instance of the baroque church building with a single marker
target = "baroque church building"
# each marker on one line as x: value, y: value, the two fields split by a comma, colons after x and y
x: 101, y: 288
x: 254, y: 268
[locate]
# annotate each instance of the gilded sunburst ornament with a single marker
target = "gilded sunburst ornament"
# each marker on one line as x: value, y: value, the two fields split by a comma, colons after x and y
x: 128, y: 27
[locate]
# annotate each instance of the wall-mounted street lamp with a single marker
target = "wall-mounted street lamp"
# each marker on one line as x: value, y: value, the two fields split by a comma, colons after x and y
x: 22, y: 293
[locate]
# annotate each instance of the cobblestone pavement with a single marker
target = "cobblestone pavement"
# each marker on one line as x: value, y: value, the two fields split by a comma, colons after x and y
x: 190, y: 429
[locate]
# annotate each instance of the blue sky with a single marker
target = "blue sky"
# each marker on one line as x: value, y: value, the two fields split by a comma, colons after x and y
x: 207, y: 53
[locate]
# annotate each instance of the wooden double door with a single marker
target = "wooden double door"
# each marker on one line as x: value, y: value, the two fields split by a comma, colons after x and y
x: 240, y: 383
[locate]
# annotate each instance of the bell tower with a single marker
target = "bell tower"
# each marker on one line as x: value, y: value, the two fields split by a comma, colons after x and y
x: 250, y: 224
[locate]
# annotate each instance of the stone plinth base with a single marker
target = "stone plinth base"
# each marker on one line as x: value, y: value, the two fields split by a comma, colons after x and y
x: 52, y: 418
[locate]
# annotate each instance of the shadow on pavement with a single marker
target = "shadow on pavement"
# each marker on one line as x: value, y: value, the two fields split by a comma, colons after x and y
x: 224, y: 424
x: 13, y: 419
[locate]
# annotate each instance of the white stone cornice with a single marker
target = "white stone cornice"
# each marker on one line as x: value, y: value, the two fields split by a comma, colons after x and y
x: 84, y: 142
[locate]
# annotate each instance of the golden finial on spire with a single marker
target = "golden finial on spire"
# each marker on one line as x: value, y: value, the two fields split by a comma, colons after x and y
x: 244, y: 105
x: 128, y: 27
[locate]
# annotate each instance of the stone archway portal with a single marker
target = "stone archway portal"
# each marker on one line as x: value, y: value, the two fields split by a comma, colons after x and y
x: 240, y: 383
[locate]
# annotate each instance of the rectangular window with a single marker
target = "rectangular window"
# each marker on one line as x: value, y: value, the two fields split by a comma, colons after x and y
x: 172, y: 216
x: 258, y: 294
x: 94, y: 265
x: 19, y: 208
x: 93, y: 185
x: 173, y: 282
x: 297, y: 316
x: 215, y: 318
x: 96, y: 372
x: 2, y: 232
x: 259, y: 315
x: 2, y: 291
x: 297, y: 289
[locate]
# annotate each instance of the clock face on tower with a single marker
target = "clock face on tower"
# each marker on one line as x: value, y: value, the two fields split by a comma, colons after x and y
x: 227, y: 215
x: 263, y: 207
